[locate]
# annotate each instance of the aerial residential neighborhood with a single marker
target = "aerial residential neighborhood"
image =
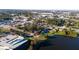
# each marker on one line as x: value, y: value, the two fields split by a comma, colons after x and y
x: 39, y: 29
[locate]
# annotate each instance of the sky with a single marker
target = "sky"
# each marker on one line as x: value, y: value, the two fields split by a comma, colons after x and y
x: 40, y: 4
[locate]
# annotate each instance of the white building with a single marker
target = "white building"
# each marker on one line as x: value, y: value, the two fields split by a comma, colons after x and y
x: 11, y: 41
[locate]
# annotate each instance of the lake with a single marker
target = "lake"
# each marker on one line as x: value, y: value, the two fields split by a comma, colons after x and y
x: 58, y: 42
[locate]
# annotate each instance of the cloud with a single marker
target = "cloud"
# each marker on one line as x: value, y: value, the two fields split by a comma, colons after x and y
x: 39, y: 4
